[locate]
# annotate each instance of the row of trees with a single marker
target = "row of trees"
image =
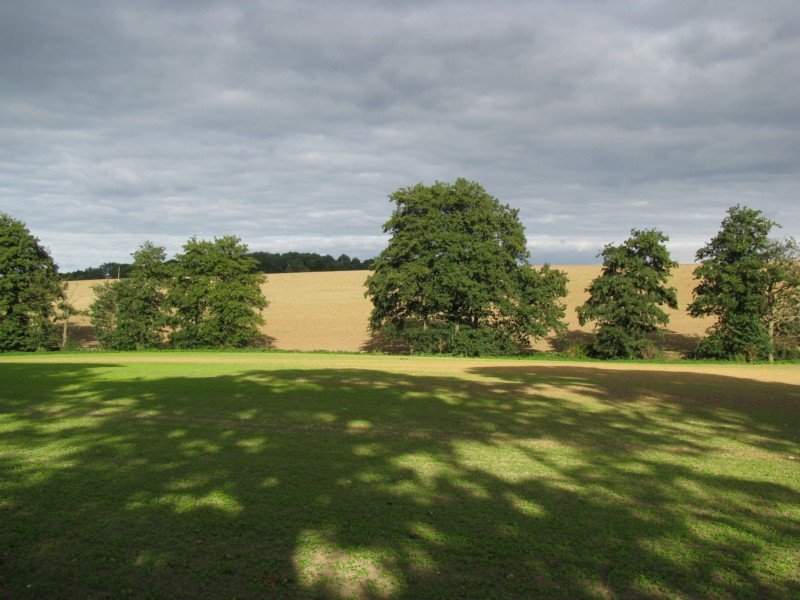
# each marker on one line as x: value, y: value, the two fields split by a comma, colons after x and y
x: 266, y: 262
x: 456, y: 278
x: 303, y: 262
x: 208, y: 296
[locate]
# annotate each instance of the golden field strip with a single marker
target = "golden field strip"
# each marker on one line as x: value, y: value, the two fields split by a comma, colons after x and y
x: 328, y: 311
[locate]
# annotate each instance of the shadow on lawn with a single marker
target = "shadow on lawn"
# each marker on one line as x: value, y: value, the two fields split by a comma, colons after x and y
x: 359, y: 483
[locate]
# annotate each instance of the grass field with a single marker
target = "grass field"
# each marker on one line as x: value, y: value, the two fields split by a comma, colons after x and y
x: 365, y: 476
x: 328, y: 311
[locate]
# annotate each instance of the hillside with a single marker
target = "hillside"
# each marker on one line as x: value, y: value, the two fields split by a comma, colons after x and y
x: 328, y: 311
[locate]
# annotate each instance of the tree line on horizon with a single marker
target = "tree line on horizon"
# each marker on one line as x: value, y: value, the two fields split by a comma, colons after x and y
x: 266, y: 262
x: 455, y: 278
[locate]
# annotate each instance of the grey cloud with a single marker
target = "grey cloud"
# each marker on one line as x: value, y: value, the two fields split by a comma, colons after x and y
x: 288, y: 123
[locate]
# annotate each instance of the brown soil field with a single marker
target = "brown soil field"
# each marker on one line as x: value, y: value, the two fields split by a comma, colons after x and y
x: 328, y: 311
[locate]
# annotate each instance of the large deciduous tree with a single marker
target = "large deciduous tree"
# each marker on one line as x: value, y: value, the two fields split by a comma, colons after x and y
x: 29, y: 289
x: 130, y: 314
x: 215, y: 295
x: 455, y: 275
x: 735, y: 279
x: 625, y: 300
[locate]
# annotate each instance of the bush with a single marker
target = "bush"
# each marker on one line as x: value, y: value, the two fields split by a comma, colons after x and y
x: 445, y: 339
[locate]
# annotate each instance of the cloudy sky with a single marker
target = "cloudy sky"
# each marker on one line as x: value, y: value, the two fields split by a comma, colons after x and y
x: 289, y: 122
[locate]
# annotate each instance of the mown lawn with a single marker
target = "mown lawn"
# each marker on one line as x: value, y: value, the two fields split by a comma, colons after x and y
x: 286, y: 475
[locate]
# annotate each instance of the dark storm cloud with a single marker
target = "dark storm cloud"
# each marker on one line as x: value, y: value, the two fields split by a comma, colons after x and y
x: 288, y: 123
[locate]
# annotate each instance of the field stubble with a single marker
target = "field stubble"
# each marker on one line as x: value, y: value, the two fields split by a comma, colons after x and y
x: 328, y: 311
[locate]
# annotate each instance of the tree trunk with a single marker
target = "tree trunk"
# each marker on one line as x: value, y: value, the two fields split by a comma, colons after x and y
x: 64, y: 333
x: 771, y: 341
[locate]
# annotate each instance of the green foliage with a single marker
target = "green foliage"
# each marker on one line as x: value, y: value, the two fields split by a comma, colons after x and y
x: 625, y: 299
x: 129, y: 314
x: 440, y: 338
x: 29, y: 289
x: 209, y: 297
x: 455, y: 276
x: 735, y: 279
x: 215, y: 295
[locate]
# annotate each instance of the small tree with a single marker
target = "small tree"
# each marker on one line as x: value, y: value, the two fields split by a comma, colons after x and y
x: 735, y: 279
x: 215, y: 294
x: 129, y: 314
x: 625, y: 299
x: 455, y: 276
x: 29, y: 289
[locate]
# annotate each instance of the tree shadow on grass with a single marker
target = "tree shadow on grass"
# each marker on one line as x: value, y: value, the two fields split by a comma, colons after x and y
x: 516, y: 481
x: 569, y: 339
x: 673, y: 341
x: 664, y: 339
x: 378, y: 342
x: 265, y: 341
x: 82, y: 335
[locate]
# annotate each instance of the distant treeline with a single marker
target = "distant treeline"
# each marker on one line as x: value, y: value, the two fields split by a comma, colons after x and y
x: 268, y: 262
x: 300, y: 262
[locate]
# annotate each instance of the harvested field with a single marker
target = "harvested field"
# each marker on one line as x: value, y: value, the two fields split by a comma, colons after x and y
x: 328, y: 311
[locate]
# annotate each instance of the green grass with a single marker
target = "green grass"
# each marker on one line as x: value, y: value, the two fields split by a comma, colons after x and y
x: 292, y: 475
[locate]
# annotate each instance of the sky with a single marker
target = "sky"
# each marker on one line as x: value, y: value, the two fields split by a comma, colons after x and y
x: 289, y: 122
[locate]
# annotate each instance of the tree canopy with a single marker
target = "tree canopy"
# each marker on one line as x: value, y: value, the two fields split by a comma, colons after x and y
x: 215, y: 295
x: 208, y: 297
x: 625, y: 299
x: 29, y: 289
x: 129, y: 314
x: 734, y: 282
x: 455, y: 275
